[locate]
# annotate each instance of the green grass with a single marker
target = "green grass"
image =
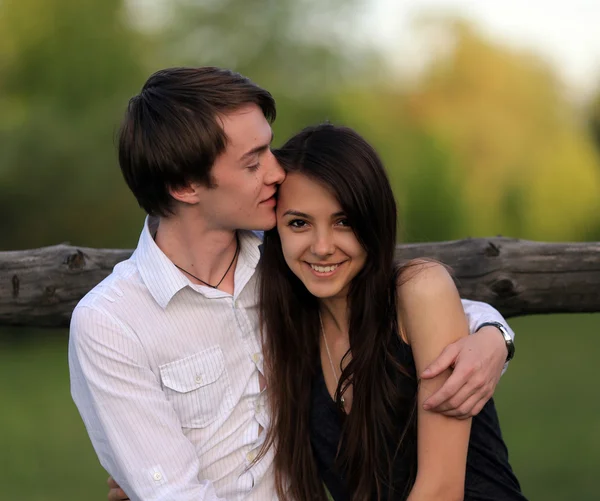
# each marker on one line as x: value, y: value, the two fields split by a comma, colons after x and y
x: 46, y: 454
x: 547, y: 402
x: 549, y: 407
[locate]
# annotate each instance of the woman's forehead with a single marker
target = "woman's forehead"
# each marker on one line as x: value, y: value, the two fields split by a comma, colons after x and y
x: 299, y: 191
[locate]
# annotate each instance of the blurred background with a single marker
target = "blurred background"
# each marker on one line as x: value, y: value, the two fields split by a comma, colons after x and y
x: 487, y: 114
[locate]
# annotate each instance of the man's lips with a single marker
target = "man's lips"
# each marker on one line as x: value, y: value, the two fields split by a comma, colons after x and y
x: 269, y: 201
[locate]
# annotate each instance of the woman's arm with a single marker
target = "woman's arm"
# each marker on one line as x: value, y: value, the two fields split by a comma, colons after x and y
x: 432, y: 316
x: 478, y: 361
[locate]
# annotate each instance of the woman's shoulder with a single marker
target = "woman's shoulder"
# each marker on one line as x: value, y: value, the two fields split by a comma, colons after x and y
x: 423, y: 277
x: 426, y: 295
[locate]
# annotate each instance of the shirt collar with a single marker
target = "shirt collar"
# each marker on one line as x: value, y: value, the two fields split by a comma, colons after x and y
x: 164, y: 280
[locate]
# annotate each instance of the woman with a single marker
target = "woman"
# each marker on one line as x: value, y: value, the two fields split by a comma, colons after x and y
x: 342, y: 318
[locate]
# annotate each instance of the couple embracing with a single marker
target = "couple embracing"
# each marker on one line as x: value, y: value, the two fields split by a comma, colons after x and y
x: 262, y: 342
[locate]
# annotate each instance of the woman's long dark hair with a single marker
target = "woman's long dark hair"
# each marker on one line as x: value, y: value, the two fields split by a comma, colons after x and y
x: 383, y: 391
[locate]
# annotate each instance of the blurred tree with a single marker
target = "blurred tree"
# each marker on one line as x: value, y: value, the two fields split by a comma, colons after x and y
x: 421, y: 167
x: 297, y: 49
x: 594, y: 118
x: 68, y: 68
x: 528, y: 167
x: 483, y: 142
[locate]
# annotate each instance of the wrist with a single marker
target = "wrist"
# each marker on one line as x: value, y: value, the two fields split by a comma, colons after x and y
x: 508, y: 341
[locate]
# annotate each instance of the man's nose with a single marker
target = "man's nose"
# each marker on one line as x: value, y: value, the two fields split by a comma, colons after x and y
x: 275, y: 174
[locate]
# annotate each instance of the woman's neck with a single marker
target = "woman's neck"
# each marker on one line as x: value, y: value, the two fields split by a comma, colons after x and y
x: 335, y: 313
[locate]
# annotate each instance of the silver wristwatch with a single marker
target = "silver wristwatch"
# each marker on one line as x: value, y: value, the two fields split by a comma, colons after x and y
x: 510, y: 345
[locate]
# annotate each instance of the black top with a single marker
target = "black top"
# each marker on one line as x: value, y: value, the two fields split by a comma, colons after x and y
x: 489, y: 476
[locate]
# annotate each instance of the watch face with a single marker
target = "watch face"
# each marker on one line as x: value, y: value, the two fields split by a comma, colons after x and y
x: 511, y: 350
x: 510, y: 345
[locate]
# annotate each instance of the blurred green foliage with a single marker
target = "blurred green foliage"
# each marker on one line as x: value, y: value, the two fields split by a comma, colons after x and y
x: 483, y: 142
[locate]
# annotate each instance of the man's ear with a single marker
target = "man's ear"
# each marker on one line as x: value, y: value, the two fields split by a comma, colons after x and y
x: 187, y: 194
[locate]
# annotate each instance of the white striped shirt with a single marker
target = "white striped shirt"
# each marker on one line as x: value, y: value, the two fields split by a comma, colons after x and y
x: 165, y: 375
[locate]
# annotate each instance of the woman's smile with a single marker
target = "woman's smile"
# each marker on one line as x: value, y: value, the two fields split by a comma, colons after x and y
x: 325, y: 270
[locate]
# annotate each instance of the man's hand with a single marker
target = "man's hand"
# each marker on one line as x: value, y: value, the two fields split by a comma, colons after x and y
x: 477, y: 362
x: 115, y: 493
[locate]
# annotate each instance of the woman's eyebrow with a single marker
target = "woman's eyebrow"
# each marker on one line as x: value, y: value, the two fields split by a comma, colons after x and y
x: 296, y: 213
x: 306, y: 216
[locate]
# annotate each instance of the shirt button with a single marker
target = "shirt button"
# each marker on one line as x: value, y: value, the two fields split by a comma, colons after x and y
x: 251, y: 456
x: 198, y: 379
x: 256, y: 357
x: 157, y: 476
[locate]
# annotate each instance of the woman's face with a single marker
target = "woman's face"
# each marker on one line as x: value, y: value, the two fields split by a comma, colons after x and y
x: 318, y: 244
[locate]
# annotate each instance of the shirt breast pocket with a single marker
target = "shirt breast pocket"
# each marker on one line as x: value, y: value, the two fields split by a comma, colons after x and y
x: 198, y: 387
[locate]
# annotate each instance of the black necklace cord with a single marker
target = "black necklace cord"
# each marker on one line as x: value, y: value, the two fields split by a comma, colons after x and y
x: 237, y: 250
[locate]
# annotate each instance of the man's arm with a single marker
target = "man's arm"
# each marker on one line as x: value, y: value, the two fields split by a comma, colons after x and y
x: 133, y: 427
x: 477, y: 361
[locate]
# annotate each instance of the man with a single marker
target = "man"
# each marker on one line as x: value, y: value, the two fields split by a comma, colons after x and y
x: 165, y: 358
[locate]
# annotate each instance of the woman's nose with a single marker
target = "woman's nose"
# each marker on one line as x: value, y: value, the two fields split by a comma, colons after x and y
x: 323, y: 244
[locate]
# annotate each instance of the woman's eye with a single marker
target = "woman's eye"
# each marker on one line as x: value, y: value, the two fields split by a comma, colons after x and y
x: 297, y: 223
x: 344, y: 222
x: 253, y: 168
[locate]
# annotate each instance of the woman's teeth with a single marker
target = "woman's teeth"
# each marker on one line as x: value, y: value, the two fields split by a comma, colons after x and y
x: 324, y: 269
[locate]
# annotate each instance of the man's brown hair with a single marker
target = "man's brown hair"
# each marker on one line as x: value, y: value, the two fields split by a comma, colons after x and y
x: 171, y: 134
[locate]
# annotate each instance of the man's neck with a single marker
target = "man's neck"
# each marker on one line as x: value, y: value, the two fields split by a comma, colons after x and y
x: 201, y: 251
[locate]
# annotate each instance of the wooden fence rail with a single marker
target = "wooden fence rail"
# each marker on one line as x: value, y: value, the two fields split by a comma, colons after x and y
x: 40, y: 287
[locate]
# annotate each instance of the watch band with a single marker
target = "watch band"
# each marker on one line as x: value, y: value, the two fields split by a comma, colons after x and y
x: 510, y: 345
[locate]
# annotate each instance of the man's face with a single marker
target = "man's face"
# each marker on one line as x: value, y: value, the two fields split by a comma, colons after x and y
x: 246, y: 175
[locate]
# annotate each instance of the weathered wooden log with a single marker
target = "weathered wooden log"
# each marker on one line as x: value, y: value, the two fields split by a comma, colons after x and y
x: 521, y: 277
x: 41, y: 287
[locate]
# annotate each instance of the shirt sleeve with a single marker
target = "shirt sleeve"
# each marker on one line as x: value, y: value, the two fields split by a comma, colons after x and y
x: 478, y: 312
x: 135, y: 431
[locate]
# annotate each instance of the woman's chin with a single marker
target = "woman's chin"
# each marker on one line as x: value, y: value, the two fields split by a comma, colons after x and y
x: 323, y: 291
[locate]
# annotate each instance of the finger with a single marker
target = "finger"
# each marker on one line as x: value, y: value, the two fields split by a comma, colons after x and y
x: 444, y: 361
x: 470, y: 408
x: 117, y: 495
x: 459, y: 400
x: 463, y: 411
x: 479, y: 405
x: 450, y: 388
x: 474, y: 384
x: 122, y: 495
x: 112, y: 483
